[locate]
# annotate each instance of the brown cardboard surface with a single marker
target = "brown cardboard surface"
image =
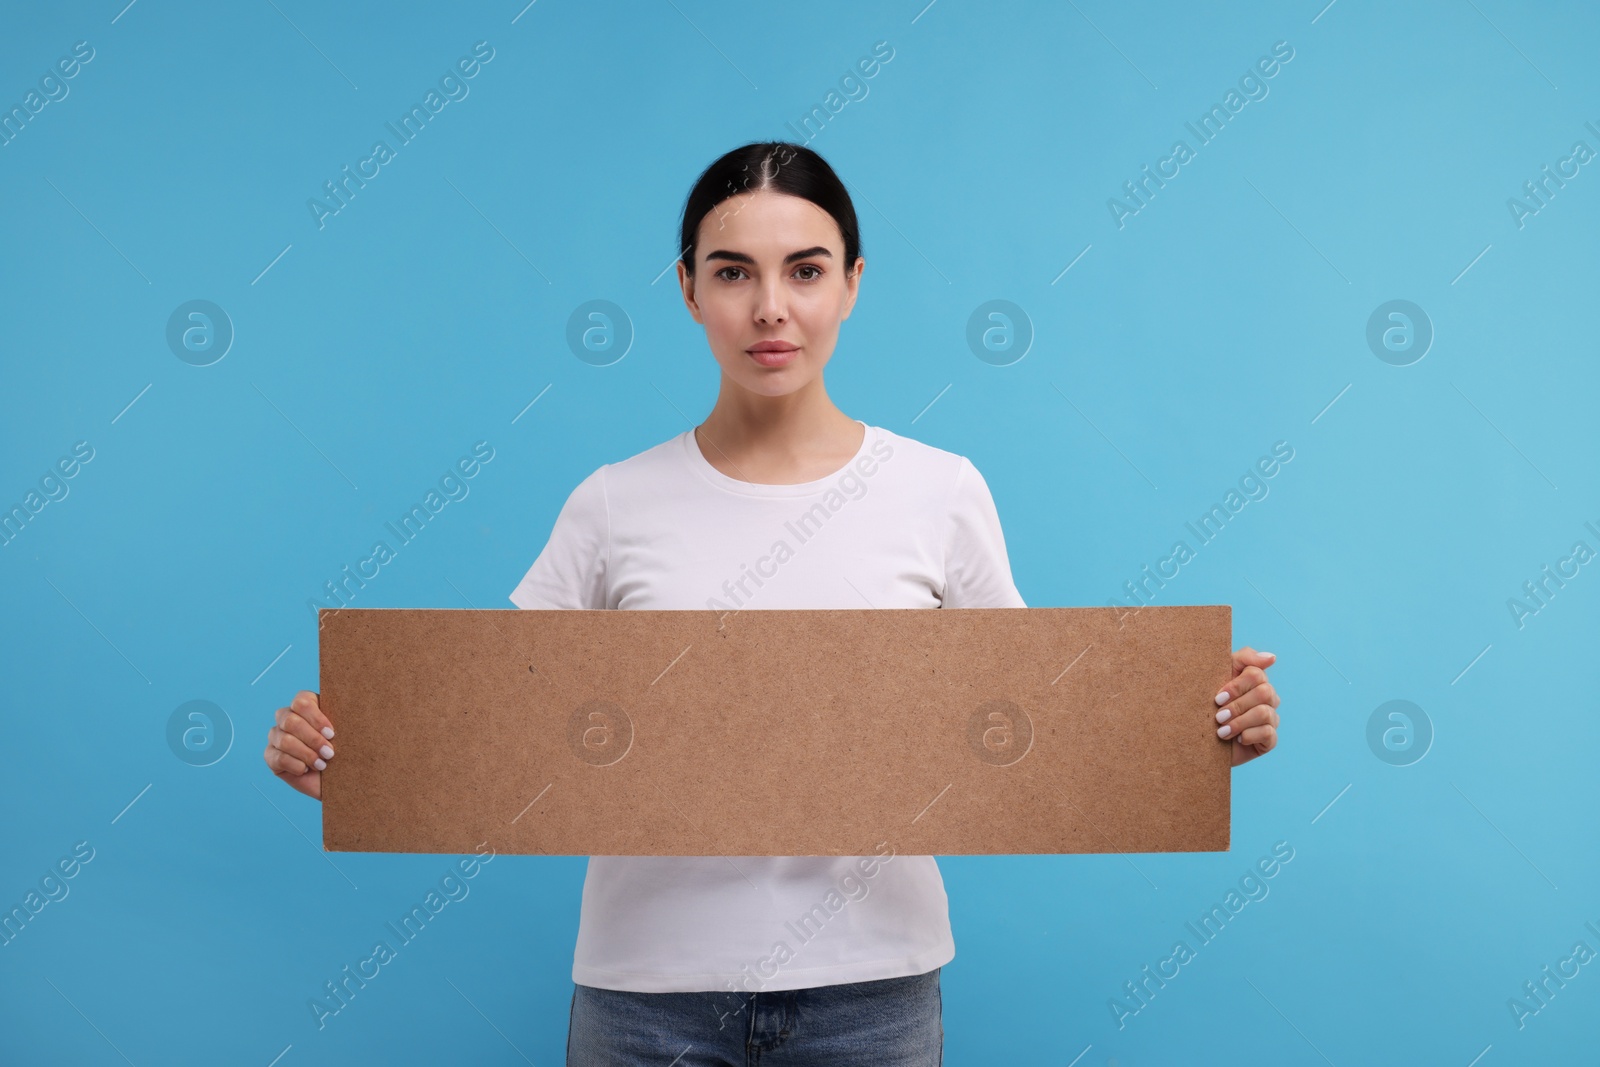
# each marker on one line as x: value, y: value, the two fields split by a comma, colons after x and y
x: 776, y: 733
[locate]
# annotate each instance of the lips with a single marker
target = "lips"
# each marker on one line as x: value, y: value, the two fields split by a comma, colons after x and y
x: 773, y: 353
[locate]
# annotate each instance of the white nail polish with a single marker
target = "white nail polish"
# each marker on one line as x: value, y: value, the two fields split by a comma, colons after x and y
x: 1222, y: 697
x: 321, y: 766
x: 327, y: 753
x: 1224, y: 731
x: 1224, y: 715
x: 327, y: 731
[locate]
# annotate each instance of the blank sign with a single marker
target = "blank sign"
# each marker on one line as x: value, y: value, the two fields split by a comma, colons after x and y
x: 776, y: 733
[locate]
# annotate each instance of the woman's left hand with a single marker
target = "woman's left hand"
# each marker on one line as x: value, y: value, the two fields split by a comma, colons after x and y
x: 1249, y: 711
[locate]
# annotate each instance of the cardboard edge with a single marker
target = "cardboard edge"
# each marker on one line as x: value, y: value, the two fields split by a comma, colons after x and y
x: 323, y: 615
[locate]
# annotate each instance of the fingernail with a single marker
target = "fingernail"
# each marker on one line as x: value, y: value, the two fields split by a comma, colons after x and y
x: 1224, y: 731
x: 1222, y: 697
x: 327, y: 731
x: 320, y: 765
x: 1224, y: 715
x: 327, y: 753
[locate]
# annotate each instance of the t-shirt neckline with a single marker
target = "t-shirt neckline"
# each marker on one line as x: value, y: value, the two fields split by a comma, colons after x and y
x: 697, y: 460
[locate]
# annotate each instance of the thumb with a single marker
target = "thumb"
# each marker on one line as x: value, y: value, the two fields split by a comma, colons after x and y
x: 1248, y: 656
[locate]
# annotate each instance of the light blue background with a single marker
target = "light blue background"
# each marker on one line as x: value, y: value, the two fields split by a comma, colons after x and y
x: 1227, y: 315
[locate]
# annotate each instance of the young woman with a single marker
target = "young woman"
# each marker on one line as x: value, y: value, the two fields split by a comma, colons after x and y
x: 777, y: 500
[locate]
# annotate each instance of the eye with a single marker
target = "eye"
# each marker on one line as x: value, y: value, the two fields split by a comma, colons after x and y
x: 724, y: 269
x: 810, y: 266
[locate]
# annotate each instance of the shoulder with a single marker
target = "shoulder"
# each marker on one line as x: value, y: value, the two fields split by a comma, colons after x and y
x: 944, y: 473
x: 645, y: 467
x: 891, y: 447
x: 641, y: 468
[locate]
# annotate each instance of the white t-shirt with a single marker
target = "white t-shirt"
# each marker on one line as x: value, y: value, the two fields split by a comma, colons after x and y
x: 902, y: 525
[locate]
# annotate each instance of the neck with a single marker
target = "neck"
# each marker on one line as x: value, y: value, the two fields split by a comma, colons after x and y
x: 794, y: 423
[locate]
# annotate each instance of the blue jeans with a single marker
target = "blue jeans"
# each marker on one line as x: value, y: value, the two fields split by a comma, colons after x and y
x: 891, y: 1022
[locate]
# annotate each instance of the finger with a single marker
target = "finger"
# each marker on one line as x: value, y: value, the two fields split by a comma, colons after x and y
x: 309, y: 705
x: 1246, y: 680
x: 1265, y: 738
x: 282, y: 763
x: 1248, y: 656
x: 1238, y: 725
x: 1261, y: 694
x: 295, y: 726
x: 293, y: 746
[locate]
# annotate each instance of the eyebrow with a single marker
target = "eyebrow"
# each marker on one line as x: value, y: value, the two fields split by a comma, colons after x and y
x: 740, y: 257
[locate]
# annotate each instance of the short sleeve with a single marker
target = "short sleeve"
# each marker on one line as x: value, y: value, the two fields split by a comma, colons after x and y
x: 977, y: 570
x: 571, y: 570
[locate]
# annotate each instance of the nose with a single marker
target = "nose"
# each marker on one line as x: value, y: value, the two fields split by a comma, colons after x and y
x: 772, y: 308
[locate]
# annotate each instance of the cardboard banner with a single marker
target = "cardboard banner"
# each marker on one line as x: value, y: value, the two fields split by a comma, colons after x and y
x: 776, y: 732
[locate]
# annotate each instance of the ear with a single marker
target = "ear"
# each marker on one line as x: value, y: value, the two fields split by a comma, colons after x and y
x: 686, y: 283
x: 853, y: 285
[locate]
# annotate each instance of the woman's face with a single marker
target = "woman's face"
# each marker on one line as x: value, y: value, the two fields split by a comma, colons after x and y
x: 769, y: 274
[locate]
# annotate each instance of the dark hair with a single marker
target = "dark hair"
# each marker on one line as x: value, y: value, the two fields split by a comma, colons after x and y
x: 782, y: 167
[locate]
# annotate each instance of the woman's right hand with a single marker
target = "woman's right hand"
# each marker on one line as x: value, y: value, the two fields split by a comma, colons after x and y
x: 297, y: 747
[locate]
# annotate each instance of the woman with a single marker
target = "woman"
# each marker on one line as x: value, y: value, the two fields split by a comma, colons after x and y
x: 777, y: 500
